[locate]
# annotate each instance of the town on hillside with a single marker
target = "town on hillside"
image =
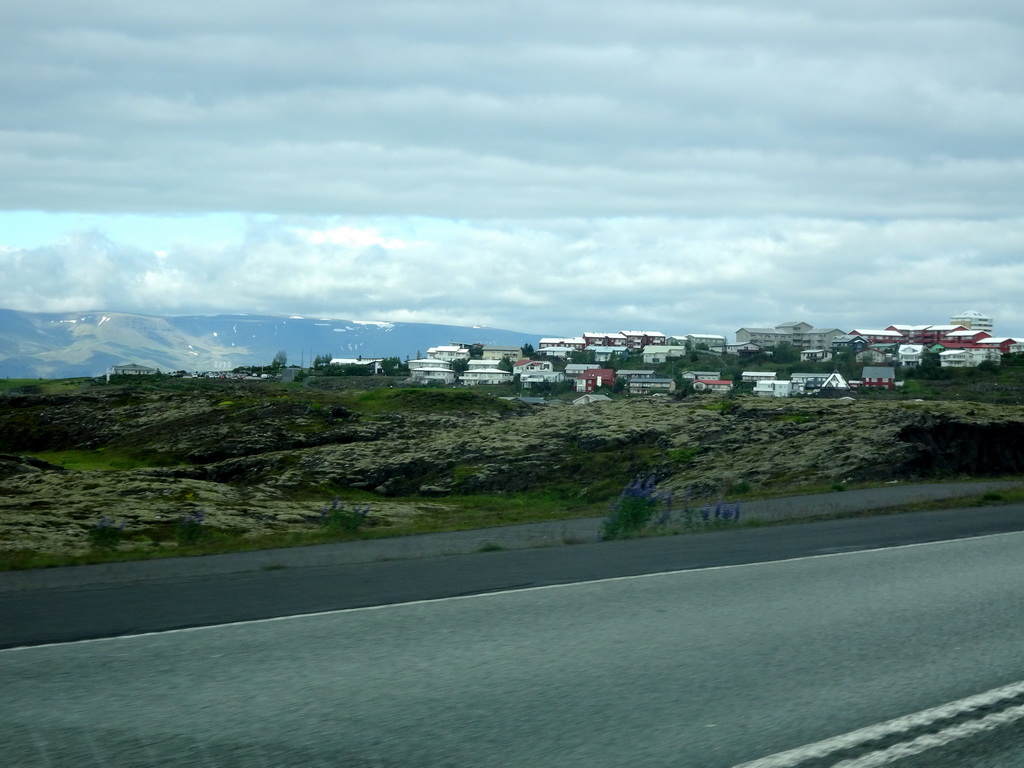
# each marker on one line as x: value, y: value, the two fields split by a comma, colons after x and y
x: 596, y: 364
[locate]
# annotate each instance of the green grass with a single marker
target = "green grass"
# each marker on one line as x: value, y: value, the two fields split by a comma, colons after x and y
x: 102, y: 459
x: 44, y: 386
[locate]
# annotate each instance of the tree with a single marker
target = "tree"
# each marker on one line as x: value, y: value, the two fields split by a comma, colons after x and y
x: 280, y: 360
x: 528, y: 350
x: 505, y: 364
x: 391, y: 366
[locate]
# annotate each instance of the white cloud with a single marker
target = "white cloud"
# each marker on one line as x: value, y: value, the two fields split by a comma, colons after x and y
x: 531, y: 165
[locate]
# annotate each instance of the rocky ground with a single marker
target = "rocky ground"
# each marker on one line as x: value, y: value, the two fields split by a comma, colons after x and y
x: 259, y: 460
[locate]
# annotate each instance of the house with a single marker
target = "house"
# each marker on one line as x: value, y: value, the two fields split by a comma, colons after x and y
x: 563, y: 352
x: 590, y: 380
x: 132, y: 369
x: 849, y: 342
x: 712, y: 341
x: 876, y: 353
x: 800, y: 335
x: 880, y: 377
x: 968, y: 357
x: 427, y: 362
x: 476, y: 376
x: 815, y: 355
x: 910, y: 355
x: 573, y: 344
x: 595, y: 339
x: 478, y: 363
x: 604, y: 354
x: 834, y: 385
x: 541, y: 377
x: 630, y: 375
x: 448, y: 353
x: 650, y: 386
x: 532, y: 366
x: 639, y: 339
x: 494, y: 352
x: 662, y: 354
x: 704, y: 375
x: 888, y: 336
x: 572, y: 369
x: 715, y: 385
x: 435, y: 375
x: 807, y: 382
x: 744, y: 349
x: 755, y: 376
x: 1005, y: 344
x: 973, y: 320
x: 926, y: 334
x: 779, y: 388
x: 589, y: 399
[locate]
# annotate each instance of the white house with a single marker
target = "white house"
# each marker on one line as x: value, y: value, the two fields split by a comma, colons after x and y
x: 661, y: 354
x: 528, y: 379
x: 968, y: 358
x: 590, y: 399
x: 476, y: 376
x: 779, y: 388
x: 603, y: 354
x: 755, y: 376
x: 448, y: 353
x: 815, y: 355
x: 703, y: 375
x: 909, y: 355
x: 493, y: 352
x: 427, y: 362
x: 650, y: 386
x: 437, y: 375
x: 717, y: 385
x: 629, y: 375
x: 132, y: 369
x: 532, y: 366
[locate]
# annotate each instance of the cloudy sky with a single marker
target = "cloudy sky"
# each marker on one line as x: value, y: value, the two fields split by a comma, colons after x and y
x: 549, y: 167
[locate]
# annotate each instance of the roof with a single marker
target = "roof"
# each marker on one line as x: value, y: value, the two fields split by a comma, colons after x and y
x: 878, y: 372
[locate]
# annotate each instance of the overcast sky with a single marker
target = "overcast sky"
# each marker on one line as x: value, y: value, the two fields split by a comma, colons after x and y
x: 548, y: 167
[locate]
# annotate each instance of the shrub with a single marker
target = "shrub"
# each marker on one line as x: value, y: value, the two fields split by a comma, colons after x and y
x: 634, y: 508
x: 191, y: 529
x: 106, y: 534
x: 338, y: 517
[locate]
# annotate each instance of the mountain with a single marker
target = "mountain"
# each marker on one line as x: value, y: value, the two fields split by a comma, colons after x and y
x: 64, y: 345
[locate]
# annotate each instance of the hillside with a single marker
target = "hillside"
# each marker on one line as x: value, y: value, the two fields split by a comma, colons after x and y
x: 258, y: 457
x: 37, y: 345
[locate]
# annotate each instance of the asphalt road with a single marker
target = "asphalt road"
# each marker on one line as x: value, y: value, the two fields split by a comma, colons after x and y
x: 707, y: 667
x: 67, y: 604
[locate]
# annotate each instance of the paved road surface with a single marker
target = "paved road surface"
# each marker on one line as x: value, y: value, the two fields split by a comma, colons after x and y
x: 695, y: 668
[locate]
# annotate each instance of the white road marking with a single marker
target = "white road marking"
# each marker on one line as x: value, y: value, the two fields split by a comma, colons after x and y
x: 513, y: 591
x: 819, y: 749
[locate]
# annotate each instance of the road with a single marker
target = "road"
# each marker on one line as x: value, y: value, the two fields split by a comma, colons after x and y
x: 705, y: 667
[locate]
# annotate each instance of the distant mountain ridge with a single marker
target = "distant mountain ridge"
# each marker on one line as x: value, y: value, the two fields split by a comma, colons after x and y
x: 69, y: 344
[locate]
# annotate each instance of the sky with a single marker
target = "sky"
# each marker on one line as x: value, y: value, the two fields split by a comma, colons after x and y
x: 548, y: 167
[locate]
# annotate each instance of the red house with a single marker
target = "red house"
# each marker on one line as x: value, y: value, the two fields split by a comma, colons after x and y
x: 879, y: 376
x: 589, y: 381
